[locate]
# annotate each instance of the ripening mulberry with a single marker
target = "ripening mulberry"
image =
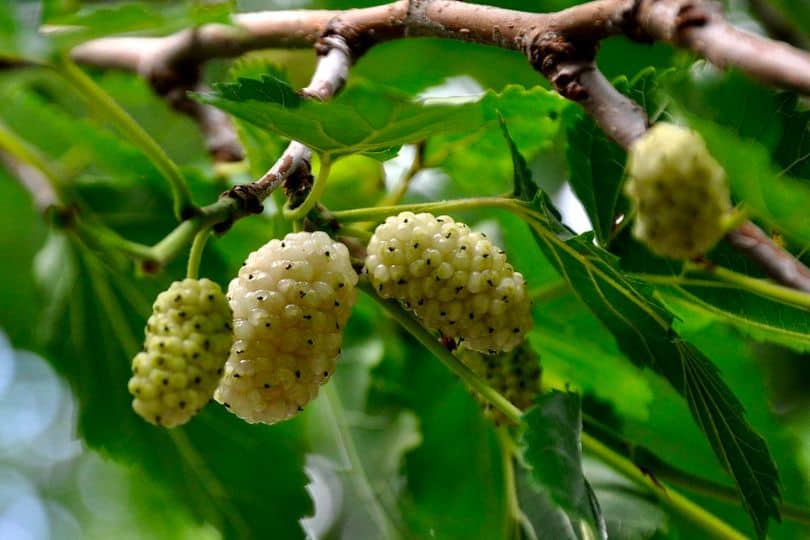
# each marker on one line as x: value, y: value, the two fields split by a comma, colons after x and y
x: 290, y: 302
x: 515, y: 375
x: 187, y: 341
x: 452, y: 278
x: 679, y: 190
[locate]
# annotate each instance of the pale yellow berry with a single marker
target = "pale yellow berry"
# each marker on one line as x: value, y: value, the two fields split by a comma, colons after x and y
x: 290, y: 303
x: 679, y: 191
x: 187, y: 341
x: 452, y: 278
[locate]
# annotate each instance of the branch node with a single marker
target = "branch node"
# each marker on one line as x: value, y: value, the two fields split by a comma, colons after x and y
x: 562, y: 61
x: 297, y: 184
x: 248, y: 203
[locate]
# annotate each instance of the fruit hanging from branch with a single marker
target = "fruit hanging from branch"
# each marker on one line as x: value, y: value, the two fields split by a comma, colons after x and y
x: 187, y: 341
x: 290, y: 303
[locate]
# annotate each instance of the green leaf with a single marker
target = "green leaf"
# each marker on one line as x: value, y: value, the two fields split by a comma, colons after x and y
x: 597, y: 170
x: 478, y: 159
x: 362, y: 119
x: 125, y: 17
x: 594, y: 365
x: 95, y: 317
x: 629, y: 513
x: 643, y: 330
x: 761, y: 318
x: 365, y: 457
x: 80, y: 142
x: 553, y: 453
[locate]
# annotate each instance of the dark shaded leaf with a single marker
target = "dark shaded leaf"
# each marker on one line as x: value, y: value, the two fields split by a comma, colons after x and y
x: 552, y: 450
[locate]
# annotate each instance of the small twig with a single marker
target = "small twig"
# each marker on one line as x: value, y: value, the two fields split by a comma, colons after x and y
x: 34, y: 181
x: 777, y: 263
x: 700, y: 26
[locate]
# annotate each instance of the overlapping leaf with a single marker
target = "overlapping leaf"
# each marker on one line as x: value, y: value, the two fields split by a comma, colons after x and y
x: 643, y: 330
x: 362, y: 119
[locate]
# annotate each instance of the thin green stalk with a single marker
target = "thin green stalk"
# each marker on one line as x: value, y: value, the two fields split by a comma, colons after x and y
x: 432, y: 344
x: 101, y: 236
x: 315, y: 193
x: 759, y: 286
x: 22, y: 151
x: 516, y: 519
x: 361, y: 481
x: 667, y: 496
x: 195, y: 254
x: 104, y: 105
x: 379, y: 213
x: 727, y: 494
x: 184, y: 233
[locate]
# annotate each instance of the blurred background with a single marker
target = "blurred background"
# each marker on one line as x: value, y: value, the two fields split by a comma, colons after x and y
x: 82, y: 316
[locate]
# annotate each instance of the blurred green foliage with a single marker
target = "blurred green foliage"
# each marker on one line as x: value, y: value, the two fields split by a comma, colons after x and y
x: 395, y: 425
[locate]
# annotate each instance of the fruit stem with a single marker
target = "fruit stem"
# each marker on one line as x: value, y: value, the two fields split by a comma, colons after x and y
x: 759, y: 286
x: 195, y: 254
x: 735, y: 218
x: 105, y: 106
x: 666, y: 496
x: 184, y: 233
x: 315, y: 193
x: 431, y: 343
x: 379, y: 213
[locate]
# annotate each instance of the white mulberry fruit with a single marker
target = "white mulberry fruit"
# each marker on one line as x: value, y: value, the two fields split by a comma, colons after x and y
x: 452, y: 278
x: 188, y: 337
x: 515, y: 375
x: 290, y: 303
x: 679, y: 190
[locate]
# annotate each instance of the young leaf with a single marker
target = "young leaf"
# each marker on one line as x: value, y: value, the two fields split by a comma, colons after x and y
x: 553, y: 453
x: 363, y: 119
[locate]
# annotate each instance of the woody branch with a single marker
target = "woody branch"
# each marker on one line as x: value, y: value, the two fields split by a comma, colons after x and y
x: 561, y: 45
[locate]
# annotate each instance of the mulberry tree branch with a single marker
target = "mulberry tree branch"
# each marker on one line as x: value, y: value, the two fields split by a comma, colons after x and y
x: 560, y: 45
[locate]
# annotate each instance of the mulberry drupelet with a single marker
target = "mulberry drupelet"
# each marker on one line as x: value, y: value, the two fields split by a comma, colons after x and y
x: 452, y: 278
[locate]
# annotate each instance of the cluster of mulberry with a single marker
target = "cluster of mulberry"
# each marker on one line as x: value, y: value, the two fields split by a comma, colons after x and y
x: 680, y: 192
x: 290, y: 302
x: 187, y: 341
x: 452, y: 278
x: 265, y: 351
